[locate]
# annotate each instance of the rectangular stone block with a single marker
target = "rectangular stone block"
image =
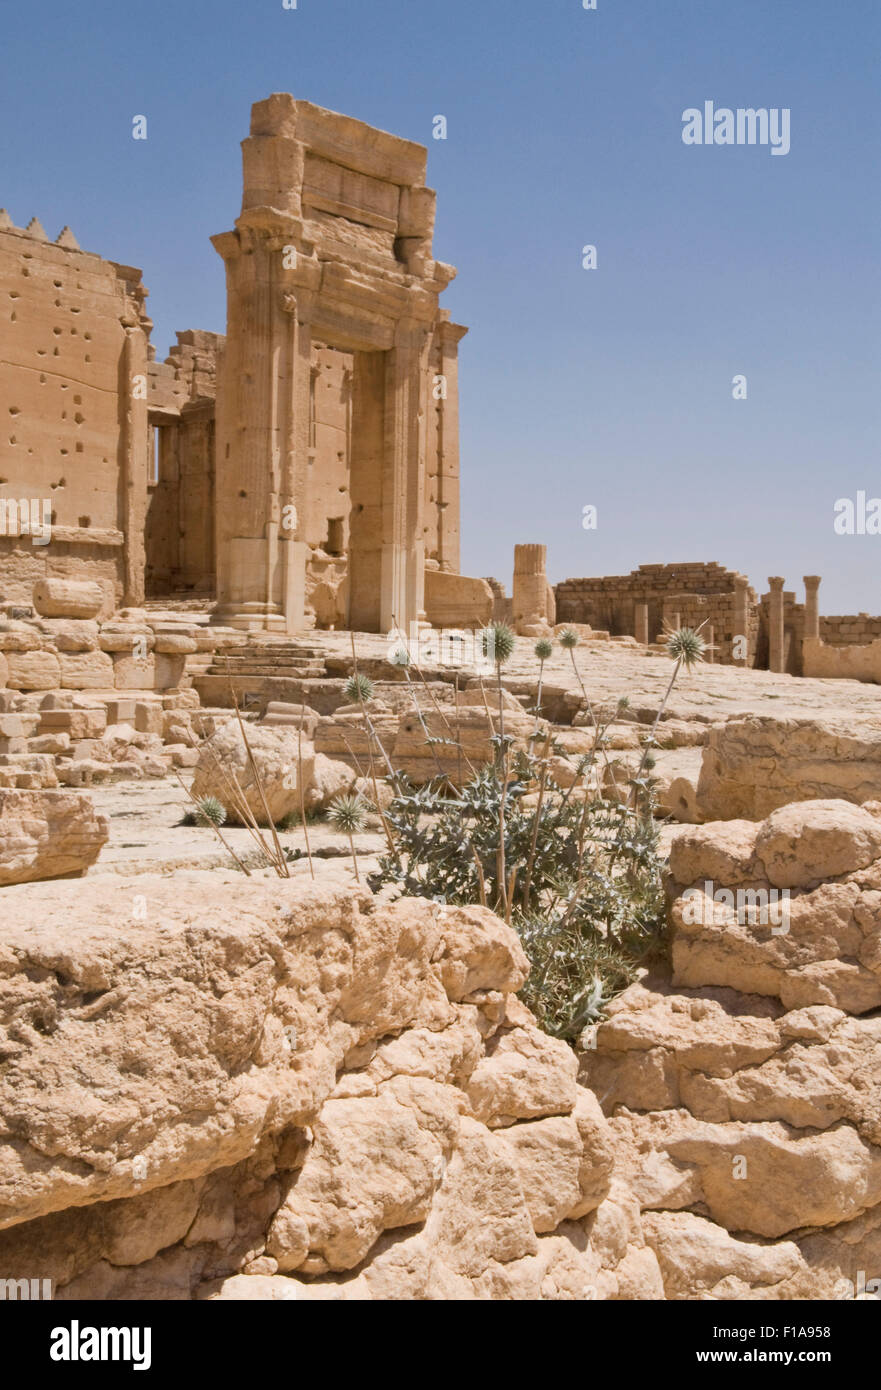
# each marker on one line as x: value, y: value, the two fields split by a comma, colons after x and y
x: 86, y: 671
x: 129, y: 674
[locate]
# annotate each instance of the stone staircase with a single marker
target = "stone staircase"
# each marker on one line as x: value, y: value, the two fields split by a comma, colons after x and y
x: 262, y: 669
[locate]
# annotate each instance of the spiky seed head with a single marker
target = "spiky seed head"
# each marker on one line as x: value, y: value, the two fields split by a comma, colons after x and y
x: 687, y: 646
x: 401, y: 657
x: 623, y: 704
x: 568, y: 639
x: 348, y: 813
x: 210, y: 811
x: 357, y: 688
x: 497, y: 643
x: 544, y: 649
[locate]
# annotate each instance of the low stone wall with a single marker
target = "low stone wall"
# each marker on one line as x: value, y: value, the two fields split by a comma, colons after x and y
x: 861, y: 662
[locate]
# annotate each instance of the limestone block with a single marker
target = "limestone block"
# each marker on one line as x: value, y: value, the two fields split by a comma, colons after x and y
x: 77, y: 723
x: 69, y: 634
x: 280, y: 713
x: 149, y: 717
x: 275, y: 753
x: 20, y: 637
x: 86, y: 671
x: 56, y: 744
x: 39, y: 766
x: 803, y: 844
x: 131, y: 674
x: 125, y: 638
x: 67, y: 598
x: 753, y: 766
x: 4, y: 671
x: 330, y: 778
x: 18, y: 725
x: 33, y: 670
x: 47, y: 834
x: 169, y: 670
x: 457, y: 601
x: 174, y: 643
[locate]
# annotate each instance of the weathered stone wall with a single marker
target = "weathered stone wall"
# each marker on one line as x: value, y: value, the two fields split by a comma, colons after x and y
x: 849, y: 629
x: 180, y: 520
x: 697, y: 592
x: 72, y: 382
x: 853, y: 662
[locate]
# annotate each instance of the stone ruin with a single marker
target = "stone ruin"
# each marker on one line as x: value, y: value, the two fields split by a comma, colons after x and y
x: 379, y: 1115
x: 773, y: 633
x: 304, y: 468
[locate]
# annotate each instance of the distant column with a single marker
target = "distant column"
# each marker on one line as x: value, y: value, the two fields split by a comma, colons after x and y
x: 812, y: 605
x: 775, y: 624
x: 642, y: 624
x: 711, y: 645
x: 529, y: 593
x: 741, y: 616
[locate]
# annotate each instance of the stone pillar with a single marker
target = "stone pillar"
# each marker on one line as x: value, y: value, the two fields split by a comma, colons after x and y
x: 135, y: 444
x: 402, y: 574
x: 711, y: 644
x: 448, y: 336
x: 529, y: 605
x: 741, y: 617
x: 253, y: 389
x: 812, y: 605
x: 775, y: 625
x: 641, y: 624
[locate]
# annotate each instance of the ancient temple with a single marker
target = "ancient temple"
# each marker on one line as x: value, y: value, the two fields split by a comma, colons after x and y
x: 337, y: 457
x: 303, y: 470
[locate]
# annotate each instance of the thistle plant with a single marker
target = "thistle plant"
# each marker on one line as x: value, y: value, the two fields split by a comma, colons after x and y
x: 358, y: 689
x: 544, y: 650
x: 686, y: 648
x: 498, y: 644
x: 348, y: 813
x: 210, y: 811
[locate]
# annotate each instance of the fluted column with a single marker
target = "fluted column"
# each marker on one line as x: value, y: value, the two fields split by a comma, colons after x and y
x: 641, y: 623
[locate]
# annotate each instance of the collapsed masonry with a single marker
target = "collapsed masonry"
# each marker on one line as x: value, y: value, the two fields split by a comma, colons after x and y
x: 773, y: 633
x: 305, y: 468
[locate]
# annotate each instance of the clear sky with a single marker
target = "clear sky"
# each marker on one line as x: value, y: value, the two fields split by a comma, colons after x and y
x: 610, y: 387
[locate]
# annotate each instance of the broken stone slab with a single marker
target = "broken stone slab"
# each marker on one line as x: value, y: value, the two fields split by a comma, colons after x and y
x: 755, y: 765
x: 48, y: 834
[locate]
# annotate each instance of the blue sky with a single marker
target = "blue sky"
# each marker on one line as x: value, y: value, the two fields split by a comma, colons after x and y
x: 610, y: 387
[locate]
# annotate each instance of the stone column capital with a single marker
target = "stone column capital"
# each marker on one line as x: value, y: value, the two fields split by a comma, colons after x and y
x: 776, y: 582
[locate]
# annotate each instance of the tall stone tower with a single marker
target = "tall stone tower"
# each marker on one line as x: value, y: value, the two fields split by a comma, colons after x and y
x: 338, y: 388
